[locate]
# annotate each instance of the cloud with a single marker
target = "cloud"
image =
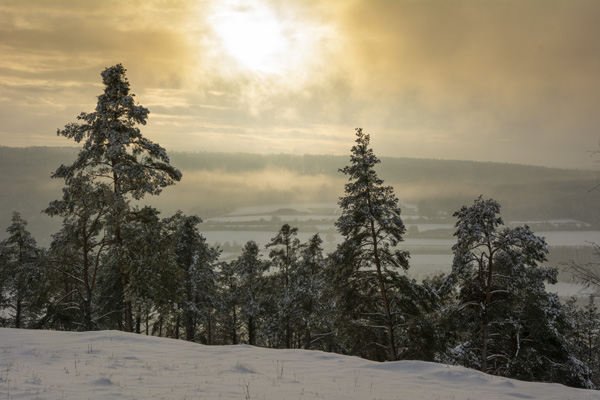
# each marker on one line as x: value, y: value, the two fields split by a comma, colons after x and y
x: 506, y: 80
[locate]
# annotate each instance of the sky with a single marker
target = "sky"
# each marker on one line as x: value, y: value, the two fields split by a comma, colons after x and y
x: 508, y: 81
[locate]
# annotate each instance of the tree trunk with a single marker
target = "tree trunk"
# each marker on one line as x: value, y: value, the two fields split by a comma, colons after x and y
x: 386, y: 307
x: 251, y: 331
x: 307, y: 334
x: 19, y: 310
x: 288, y: 333
x: 485, y: 337
x: 87, y: 312
x: 485, y: 333
x: 209, y: 329
x: 190, y: 327
x: 234, y: 339
x: 124, y: 277
x: 125, y: 283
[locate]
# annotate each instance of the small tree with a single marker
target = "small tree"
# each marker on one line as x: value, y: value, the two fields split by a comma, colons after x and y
x: 372, y: 227
x: 587, y: 272
x: 284, y: 257
x: 21, y: 274
x: 115, y: 154
x: 585, y: 335
x: 150, y: 263
x: 250, y: 268
x: 308, y: 286
x: 197, y: 262
x: 229, y: 303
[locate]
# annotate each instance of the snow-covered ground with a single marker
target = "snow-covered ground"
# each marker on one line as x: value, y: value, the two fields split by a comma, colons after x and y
x: 117, y: 365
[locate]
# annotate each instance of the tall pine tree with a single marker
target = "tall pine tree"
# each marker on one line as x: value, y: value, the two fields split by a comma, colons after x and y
x: 284, y: 257
x: 372, y: 227
x: 116, y: 154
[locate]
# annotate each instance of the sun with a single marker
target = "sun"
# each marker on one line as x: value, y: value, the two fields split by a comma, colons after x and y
x: 252, y: 35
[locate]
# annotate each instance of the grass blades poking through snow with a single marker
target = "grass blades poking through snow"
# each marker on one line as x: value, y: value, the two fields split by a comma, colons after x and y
x: 116, y: 365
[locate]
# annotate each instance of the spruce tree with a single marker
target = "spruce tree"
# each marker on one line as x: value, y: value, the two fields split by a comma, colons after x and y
x: 372, y: 228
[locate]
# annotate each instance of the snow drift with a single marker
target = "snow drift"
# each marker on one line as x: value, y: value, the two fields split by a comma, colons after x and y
x: 118, y: 365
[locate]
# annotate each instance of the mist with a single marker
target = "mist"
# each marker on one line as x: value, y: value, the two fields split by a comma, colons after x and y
x: 216, y: 184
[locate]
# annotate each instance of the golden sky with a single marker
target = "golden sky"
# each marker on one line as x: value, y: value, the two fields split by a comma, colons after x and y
x: 503, y: 80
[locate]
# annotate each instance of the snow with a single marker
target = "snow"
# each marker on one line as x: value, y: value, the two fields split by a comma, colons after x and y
x: 118, y: 365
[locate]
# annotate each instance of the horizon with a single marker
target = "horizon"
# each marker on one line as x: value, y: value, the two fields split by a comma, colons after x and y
x: 77, y: 146
x: 505, y: 82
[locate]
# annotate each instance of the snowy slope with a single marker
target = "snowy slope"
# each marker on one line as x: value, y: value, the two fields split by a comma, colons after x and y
x: 117, y: 365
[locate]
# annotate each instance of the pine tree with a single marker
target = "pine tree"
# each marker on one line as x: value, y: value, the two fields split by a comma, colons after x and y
x: 372, y: 228
x: 77, y: 249
x: 584, y: 335
x: 284, y: 257
x: 197, y: 262
x: 150, y: 263
x: 21, y: 272
x: 517, y: 326
x: 250, y: 269
x: 229, y: 285
x: 308, y: 287
x: 116, y: 154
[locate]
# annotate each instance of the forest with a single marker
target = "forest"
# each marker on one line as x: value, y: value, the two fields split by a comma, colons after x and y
x: 122, y: 254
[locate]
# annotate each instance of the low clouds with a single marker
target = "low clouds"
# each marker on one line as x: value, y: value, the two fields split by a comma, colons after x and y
x: 506, y: 74
x: 506, y: 80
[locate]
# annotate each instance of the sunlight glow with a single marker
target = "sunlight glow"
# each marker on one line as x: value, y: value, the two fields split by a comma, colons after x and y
x: 252, y: 35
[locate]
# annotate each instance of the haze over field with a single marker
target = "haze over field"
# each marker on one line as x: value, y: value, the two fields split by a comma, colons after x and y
x: 216, y: 184
x: 505, y: 81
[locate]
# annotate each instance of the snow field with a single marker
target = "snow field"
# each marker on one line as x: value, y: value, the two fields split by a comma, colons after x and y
x: 118, y: 365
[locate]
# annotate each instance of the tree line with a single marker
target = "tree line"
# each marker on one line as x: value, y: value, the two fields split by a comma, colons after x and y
x: 118, y: 265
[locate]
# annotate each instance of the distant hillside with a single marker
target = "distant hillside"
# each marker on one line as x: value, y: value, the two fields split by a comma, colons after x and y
x: 215, y: 183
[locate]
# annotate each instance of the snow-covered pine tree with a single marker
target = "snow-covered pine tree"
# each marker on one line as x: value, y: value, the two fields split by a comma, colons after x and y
x: 518, y: 327
x: 21, y: 272
x: 284, y: 257
x: 115, y: 153
x: 77, y: 251
x: 372, y: 228
x: 150, y: 263
x: 249, y: 267
x: 481, y: 244
x: 308, y: 287
x: 197, y: 261
x: 584, y: 335
x: 229, y: 302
